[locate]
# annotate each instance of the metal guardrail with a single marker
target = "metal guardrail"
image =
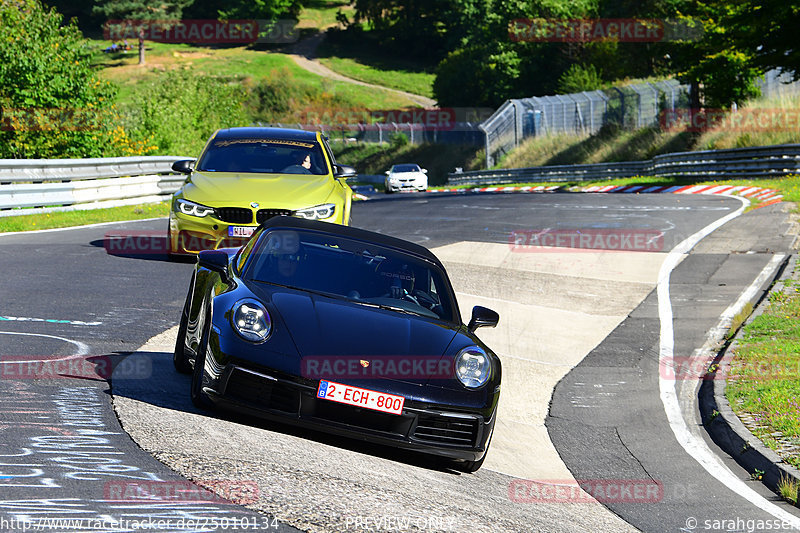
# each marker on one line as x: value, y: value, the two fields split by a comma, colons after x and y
x: 46, y: 185
x: 742, y: 163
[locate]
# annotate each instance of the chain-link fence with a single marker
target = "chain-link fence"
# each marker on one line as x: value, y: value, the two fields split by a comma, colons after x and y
x: 633, y: 106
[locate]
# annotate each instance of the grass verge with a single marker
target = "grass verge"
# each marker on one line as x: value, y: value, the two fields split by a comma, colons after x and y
x: 67, y: 219
x: 763, y: 385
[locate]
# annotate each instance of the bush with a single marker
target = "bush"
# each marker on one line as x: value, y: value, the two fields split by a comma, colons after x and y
x: 579, y: 78
x: 53, y: 104
x: 180, y: 110
x: 399, y: 139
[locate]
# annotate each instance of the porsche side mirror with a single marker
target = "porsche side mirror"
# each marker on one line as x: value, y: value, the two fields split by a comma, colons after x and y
x: 343, y: 171
x: 482, y: 317
x: 184, y: 166
x: 215, y: 260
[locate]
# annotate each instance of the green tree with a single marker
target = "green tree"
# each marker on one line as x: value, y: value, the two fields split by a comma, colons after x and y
x: 477, y: 76
x: 767, y: 27
x: 259, y: 9
x: 721, y: 67
x: 53, y: 105
x: 489, y: 66
x: 140, y: 12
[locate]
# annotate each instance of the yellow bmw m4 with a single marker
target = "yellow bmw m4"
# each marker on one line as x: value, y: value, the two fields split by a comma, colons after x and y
x: 245, y: 176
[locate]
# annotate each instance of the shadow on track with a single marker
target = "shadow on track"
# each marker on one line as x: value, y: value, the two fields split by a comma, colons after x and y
x: 150, y: 377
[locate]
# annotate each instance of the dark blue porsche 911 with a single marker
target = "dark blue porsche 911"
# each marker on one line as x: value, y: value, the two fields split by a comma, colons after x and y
x: 341, y: 330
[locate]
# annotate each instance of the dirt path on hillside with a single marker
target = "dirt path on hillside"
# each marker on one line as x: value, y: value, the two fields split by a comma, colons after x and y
x: 304, y: 55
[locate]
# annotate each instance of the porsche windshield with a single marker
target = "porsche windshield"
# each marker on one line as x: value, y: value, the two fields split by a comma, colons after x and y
x: 361, y: 272
x: 262, y: 155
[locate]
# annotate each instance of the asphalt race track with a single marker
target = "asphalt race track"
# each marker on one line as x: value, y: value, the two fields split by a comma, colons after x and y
x: 65, y: 454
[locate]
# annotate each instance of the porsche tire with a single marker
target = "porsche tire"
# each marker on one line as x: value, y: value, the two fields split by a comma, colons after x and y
x: 199, y: 398
x: 179, y: 358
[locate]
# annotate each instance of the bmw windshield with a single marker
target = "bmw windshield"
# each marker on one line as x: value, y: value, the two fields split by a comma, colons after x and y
x: 263, y: 155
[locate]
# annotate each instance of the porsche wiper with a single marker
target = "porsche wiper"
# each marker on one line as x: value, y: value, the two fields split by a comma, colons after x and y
x: 388, y: 307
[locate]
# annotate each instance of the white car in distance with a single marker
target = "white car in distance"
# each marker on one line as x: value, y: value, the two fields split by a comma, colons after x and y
x: 406, y: 177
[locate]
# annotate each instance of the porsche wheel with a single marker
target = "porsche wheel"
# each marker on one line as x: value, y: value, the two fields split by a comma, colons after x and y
x: 179, y: 358
x: 199, y: 398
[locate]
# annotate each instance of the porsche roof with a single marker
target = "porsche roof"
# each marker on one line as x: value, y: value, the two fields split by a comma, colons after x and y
x: 353, y: 233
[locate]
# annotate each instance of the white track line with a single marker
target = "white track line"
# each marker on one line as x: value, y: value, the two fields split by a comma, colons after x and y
x: 692, y: 443
x: 82, y: 348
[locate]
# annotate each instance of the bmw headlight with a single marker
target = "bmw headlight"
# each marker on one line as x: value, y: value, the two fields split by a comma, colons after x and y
x: 473, y: 367
x: 318, y: 212
x: 251, y: 320
x: 190, y: 208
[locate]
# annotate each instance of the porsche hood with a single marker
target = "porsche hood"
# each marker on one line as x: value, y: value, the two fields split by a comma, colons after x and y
x: 345, y: 340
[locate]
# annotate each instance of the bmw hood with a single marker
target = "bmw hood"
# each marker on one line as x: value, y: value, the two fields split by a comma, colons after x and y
x: 288, y: 191
x: 391, y: 344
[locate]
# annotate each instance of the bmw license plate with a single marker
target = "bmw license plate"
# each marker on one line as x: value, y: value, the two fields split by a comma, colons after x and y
x: 369, y: 399
x: 240, y: 231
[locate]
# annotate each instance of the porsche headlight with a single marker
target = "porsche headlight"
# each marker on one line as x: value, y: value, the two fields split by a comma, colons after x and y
x: 190, y: 208
x: 473, y: 367
x: 318, y: 212
x: 251, y: 321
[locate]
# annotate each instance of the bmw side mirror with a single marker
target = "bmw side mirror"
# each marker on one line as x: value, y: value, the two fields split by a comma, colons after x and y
x: 482, y: 317
x: 215, y: 260
x: 424, y: 170
x: 343, y: 171
x: 388, y: 172
x: 184, y: 166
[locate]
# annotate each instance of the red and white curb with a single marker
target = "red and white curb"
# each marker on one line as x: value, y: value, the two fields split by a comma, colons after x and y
x: 767, y: 196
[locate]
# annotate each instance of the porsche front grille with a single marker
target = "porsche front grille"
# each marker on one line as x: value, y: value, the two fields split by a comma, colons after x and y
x: 265, y: 214
x: 452, y: 431
x: 234, y: 215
